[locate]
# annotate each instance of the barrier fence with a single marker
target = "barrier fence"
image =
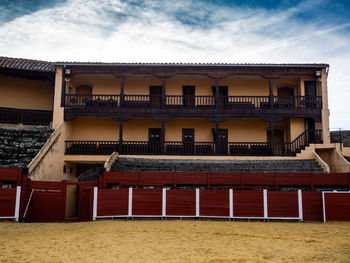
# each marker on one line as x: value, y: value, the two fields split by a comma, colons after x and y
x: 198, y: 203
x: 148, y: 194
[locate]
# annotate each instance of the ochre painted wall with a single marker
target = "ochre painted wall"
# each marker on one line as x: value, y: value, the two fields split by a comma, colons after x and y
x: 25, y: 94
x: 99, y: 129
x: 202, y: 129
x: 246, y: 130
x: 297, y: 127
x: 136, y: 129
x: 99, y: 85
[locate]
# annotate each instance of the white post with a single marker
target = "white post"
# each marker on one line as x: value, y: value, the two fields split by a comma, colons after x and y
x: 130, y: 202
x: 164, y: 202
x: 30, y: 198
x: 197, y: 202
x: 18, y: 201
x: 94, y: 210
x: 324, y: 208
x: 265, y: 203
x: 300, y: 204
x: 230, y: 191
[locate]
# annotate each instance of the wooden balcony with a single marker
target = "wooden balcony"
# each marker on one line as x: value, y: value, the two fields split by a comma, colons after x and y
x: 191, y: 106
x: 196, y: 148
x: 28, y: 117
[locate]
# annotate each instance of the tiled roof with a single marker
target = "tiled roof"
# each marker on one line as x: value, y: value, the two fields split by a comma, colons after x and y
x: 194, y: 64
x: 26, y: 64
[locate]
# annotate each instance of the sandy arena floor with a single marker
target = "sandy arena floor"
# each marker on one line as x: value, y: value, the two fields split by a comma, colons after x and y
x: 174, y: 241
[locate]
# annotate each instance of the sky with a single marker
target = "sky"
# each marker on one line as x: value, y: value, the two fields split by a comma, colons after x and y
x: 236, y: 31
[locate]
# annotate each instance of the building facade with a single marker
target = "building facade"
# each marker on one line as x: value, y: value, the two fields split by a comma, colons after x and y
x: 189, y: 111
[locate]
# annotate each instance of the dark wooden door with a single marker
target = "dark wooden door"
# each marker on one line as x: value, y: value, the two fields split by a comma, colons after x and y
x: 311, y: 130
x: 188, y: 141
x: 222, y: 142
x: 310, y: 94
x: 154, y: 141
x: 155, y: 93
x: 188, y: 93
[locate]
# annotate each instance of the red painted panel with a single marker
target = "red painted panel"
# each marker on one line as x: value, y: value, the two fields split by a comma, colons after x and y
x: 7, y: 202
x: 312, y: 206
x: 293, y: 179
x: 214, y: 203
x: 147, y: 202
x: 112, y: 202
x: 191, y: 178
x: 224, y: 178
x: 181, y: 202
x: 117, y: 176
x: 248, y: 203
x: 48, y: 206
x: 157, y: 178
x: 282, y: 204
x: 10, y: 174
x: 337, y: 206
x: 330, y: 179
x: 85, y: 204
x: 258, y: 179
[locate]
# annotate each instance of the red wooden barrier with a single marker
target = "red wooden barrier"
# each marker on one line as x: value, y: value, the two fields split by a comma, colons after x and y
x: 248, y: 204
x: 181, y: 203
x: 9, y: 174
x: 282, y: 204
x: 112, y: 202
x: 48, y: 202
x: 147, y: 202
x: 214, y: 203
x: 312, y: 206
x: 7, y: 202
x: 337, y: 206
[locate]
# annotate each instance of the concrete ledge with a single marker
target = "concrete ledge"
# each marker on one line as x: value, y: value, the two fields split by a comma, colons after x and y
x: 86, y: 158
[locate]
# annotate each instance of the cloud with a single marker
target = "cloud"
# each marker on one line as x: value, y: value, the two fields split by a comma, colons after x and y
x: 188, y: 31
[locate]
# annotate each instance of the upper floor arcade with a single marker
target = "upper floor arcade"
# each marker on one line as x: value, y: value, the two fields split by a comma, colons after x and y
x: 214, y: 91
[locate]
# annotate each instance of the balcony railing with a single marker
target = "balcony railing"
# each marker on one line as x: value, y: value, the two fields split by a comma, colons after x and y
x: 188, y: 102
x: 194, y: 148
x: 29, y: 117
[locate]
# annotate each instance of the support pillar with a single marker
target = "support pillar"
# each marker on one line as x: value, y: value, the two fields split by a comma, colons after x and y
x: 163, y: 93
x: 217, y: 138
x: 162, y: 138
x: 272, y: 137
x: 63, y: 94
x: 121, y: 91
x: 120, y: 137
x: 271, y: 102
x: 217, y: 98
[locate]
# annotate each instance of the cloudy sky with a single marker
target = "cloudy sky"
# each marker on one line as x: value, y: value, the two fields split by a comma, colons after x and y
x: 270, y: 31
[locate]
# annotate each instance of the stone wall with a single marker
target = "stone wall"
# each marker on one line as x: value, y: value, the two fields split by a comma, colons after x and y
x: 341, y: 136
x: 19, y: 144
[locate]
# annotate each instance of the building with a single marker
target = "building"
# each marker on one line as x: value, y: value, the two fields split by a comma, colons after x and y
x: 177, y: 111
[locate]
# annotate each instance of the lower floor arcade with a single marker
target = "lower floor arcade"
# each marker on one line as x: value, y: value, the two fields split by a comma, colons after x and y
x: 191, y: 136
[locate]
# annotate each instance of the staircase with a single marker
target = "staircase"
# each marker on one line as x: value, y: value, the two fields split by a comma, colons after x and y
x: 258, y: 166
x: 18, y: 146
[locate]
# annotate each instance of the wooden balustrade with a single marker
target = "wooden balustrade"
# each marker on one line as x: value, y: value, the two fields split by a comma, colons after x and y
x: 195, y: 148
x: 29, y: 117
x: 226, y: 102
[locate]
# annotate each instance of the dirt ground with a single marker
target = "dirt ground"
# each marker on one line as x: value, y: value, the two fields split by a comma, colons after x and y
x: 174, y: 241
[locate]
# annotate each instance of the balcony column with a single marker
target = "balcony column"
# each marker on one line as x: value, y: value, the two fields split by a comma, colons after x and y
x: 63, y: 93
x: 217, y: 99
x: 162, y: 138
x: 272, y: 137
x: 121, y: 91
x: 120, y: 137
x: 163, y: 93
x: 271, y: 93
x: 216, y: 137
